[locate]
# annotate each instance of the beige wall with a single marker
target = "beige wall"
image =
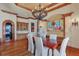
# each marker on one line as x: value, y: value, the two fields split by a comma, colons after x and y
x: 43, y: 24
x: 5, y: 16
x: 72, y: 31
x: 13, y: 8
x: 20, y: 11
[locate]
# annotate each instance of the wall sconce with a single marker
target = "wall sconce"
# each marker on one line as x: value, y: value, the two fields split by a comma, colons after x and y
x: 75, y: 22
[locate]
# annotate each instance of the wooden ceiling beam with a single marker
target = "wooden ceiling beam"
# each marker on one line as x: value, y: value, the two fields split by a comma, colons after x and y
x: 59, y: 6
x: 25, y: 17
x: 17, y: 4
x: 67, y: 14
x: 50, y: 5
x: 9, y: 12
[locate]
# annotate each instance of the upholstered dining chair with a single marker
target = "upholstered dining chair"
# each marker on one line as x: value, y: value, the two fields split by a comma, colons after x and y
x: 53, y: 38
x: 50, y: 52
x: 40, y: 49
x: 30, y: 43
x: 62, y: 51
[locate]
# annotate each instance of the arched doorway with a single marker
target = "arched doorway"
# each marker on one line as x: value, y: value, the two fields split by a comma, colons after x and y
x: 8, y: 30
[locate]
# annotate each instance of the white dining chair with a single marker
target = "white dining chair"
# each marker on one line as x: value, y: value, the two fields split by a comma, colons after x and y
x: 62, y: 51
x: 53, y: 38
x: 40, y: 49
x: 30, y: 44
x: 50, y: 52
x: 42, y: 33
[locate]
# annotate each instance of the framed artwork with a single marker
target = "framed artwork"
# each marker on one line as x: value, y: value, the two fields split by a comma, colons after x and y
x: 57, y: 26
x: 49, y: 24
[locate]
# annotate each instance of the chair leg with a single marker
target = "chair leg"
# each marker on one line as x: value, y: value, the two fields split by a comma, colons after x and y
x: 34, y: 50
x: 56, y: 52
x: 50, y: 52
x: 34, y: 47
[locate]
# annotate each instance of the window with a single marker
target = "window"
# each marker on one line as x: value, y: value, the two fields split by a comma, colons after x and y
x: 32, y: 27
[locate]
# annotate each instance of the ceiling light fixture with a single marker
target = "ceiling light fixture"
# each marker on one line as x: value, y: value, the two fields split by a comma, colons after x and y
x: 39, y: 12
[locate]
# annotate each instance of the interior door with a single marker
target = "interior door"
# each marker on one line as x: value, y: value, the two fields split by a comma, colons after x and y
x: 8, y: 30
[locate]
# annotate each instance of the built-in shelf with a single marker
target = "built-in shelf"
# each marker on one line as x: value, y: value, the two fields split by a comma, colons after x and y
x: 22, y: 32
x: 22, y: 26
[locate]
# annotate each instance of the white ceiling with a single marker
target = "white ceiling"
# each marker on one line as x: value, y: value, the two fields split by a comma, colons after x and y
x: 23, y: 12
x: 13, y: 8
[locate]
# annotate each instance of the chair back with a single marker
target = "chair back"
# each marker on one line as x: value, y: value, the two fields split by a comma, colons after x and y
x: 39, y: 46
x: 53, y: 38
x: 63, y: 47
x: 30, y: 44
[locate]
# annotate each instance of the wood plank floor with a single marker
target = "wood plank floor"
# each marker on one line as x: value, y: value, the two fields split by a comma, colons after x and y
x: 14, y: 48
x: 72, y: 51
x: 19, y: 48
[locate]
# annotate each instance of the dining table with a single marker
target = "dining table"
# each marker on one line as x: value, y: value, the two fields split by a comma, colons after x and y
x: 51, y: 45
x: 47, y: 43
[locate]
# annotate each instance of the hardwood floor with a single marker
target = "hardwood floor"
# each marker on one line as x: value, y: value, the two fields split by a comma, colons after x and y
x: 19, y: 48
x: 72, y: 51
x: 14, y: 48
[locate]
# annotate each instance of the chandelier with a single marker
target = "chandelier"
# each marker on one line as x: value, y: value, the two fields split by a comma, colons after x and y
x: 39, y: 13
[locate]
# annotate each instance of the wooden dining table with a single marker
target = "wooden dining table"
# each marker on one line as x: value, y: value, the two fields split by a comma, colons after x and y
x: 49, y: 44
